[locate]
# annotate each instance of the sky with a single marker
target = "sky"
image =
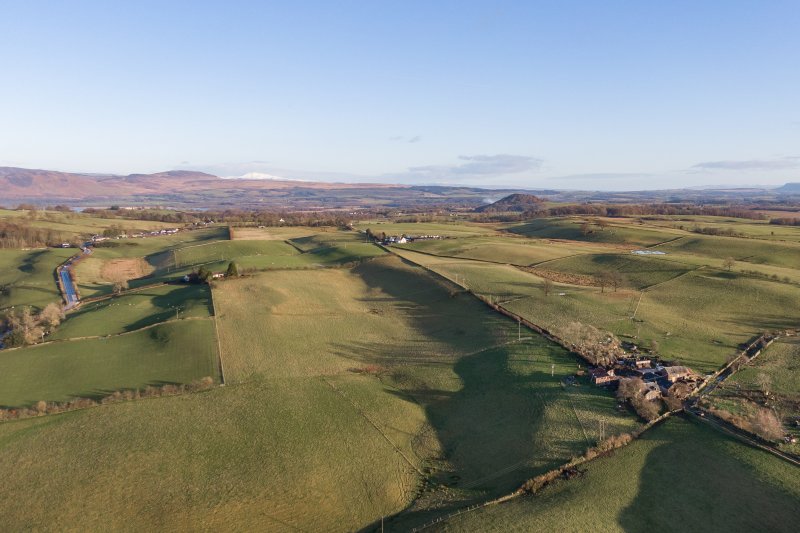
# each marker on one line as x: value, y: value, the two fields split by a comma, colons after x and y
x: 608, y: 95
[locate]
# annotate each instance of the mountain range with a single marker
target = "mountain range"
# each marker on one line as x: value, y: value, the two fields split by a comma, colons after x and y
x: 192, y: 189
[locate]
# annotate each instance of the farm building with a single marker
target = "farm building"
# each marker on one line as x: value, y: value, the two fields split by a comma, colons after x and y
x: 601, y: 376
x: 647, y: 374
x: 652, y: 391
x: 674, y: 373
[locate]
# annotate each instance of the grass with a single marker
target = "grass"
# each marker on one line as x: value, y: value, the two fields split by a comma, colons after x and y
x: 699, y: 318
x: 619, y: 231
x: 637, y: 271
x: 27, y: 277
x: 276, y: 233
x: 494, y: 414
x: 71, y: 225
x: 274, y: 455
x: 497, y: 249
x: 177, y: 352
x: 680, y: 476
x: 444, y: 229
x: 781, y: 362
x: 753, y: 251
x: 134, y: 310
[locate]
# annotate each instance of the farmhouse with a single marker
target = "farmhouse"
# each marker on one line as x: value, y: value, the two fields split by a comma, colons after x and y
x: 652, y: 391
x: 601, y: 376
x: 674, y: 373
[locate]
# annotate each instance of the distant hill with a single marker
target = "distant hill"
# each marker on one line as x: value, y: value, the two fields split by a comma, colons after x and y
x: 789, y: 188
x: 516, y: 203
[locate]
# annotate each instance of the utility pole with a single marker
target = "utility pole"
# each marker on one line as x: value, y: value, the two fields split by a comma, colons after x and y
x: 519, y: 329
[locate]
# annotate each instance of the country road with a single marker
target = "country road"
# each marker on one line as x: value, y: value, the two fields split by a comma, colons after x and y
x: 67, y: 285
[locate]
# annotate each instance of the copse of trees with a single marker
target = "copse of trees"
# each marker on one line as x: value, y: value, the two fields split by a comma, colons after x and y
x: 632, y: 390
x: 596, y: 346
x: 23, y: 326
x: 20, y: 234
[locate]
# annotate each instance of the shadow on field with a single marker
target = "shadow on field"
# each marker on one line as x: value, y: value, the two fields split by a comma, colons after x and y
x: 486, y: 424
x: 693, y: 482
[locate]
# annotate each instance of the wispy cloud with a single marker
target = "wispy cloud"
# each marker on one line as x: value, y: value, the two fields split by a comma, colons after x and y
x: 781, y: 163
x: 403, y: 138
x: 473, y: 167
x: 603, y: 176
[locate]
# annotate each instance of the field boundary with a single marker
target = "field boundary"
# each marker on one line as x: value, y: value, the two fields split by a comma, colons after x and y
x: 216, y: 334
x: 361, y: 412
x: 112, y: 335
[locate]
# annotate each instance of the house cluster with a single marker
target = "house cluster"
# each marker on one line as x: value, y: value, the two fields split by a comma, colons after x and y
x: 657, y: 378
x: 394, y: 239
x: 138, y: 235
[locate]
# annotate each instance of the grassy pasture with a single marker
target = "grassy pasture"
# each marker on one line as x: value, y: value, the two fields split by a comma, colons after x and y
x: 79, y: 224
x: 493, y: 413
x: 240, y: 251
x: 746, y: 250
x: 638, y: 271
x: 27, y: 277
x: 749, y: 228
x: 270, y: 455
x: 135, y: 310
x: 699, y: 318
x: 677, y: 477
x: 454, y: 229
x: 176, y: 352
x: 275, y: 233
x: 619, y: 231
x: 519, y: 251
x: 781, y: 362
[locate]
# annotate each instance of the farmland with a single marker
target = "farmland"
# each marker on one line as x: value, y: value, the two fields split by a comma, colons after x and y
x: 27, y: 276
x: 362, y: 383
x: 177, y: 352
x: 653, y: 485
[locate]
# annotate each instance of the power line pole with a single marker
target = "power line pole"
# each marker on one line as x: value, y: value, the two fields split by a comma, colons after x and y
x: 519, y: 329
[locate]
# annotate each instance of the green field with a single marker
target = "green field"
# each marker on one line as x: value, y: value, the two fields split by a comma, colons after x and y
x: 678, y: 477
x: 499, y: 249
x: 379, y: 389
x: 622, y: 231
x: 637, y: 272
x: 494, y: 414
x: 781, y: 362
x: 27, y: 277
x: 444, y: 229
x: 746, y: 250
x: 177, y: 352
x: 135, y: 310
x: 699, y: 318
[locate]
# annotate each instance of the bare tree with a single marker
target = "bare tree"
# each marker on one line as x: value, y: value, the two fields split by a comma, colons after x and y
x: 767, y: 425
x: 120, y: 286
x: 728, y: 263
x: 585, y: 229
x: 615, y: 279
x: 764, y: 383
x: 597, y: 346
x: 51, y: 316
x: 604, y: 280
x: 547, y: 287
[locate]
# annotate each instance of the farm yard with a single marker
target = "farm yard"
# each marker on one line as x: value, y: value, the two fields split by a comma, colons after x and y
x: 375, y: 376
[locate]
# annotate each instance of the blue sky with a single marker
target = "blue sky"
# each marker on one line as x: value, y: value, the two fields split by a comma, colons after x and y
x: 598, y: 95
